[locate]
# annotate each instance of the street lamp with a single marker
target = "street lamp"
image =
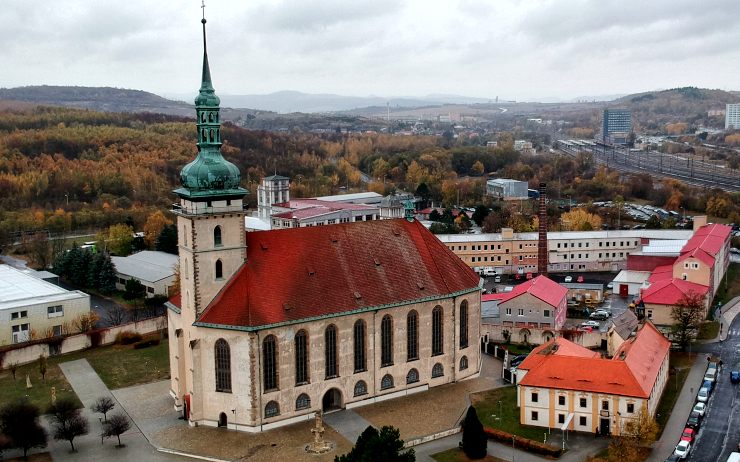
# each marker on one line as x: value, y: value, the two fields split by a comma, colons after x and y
x: 513, y: 451
x: 66, y: 196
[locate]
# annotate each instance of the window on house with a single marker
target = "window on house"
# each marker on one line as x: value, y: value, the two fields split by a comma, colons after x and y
x: 546, y: 313
x: 21, y: 333
x: 386, y: 341
x: 582, y: 402
x: 437, y: 370
x: 269, y: 363
x: 412, y: 376
x: 582, y: 421
x: 149, y: 290
x: 386, y: 382
x: 535, y: 397
x: 463, y: 363
x: 535, y: 415
x: 302, y: 402
x: 561, y: 400
x: 223, y: 366
x: 605, y: 405
x: 301, y: 357
x: 360, y: 356
x: 217, y: 236
x: 630, y: 408
x: 272, y: 409
x: 437, y: 348
x: 360, y: 388
x: 521, y: 311
x: 508, y: 311
x: 412, y: 336
x: 649, y: 314
x: 330, y: 351
x: 464, y: 324
x: 57, y: 330
x: 219, y: 269
x: 54, y: 311
x: 561, y: 418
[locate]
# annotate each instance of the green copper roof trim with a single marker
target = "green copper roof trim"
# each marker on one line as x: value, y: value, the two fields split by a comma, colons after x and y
x: 336, y: 315
x: 172, y: 307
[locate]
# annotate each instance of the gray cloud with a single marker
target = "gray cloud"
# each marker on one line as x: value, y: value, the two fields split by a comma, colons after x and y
x: 511, y: 48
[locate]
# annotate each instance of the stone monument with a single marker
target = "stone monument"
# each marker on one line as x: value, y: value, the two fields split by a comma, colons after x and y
x: 319, y: 446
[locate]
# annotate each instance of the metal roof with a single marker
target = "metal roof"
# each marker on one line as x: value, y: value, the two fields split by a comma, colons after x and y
x: 148, y: 265
x: 632, y: 277
x: 18, y: 289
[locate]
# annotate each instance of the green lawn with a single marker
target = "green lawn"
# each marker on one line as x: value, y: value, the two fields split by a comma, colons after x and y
x: 682, y: 363
x: 118, y: 366
x: 730, y: 286
x: 486, y: 404
x: 456, y: 455
x: 517, y: 349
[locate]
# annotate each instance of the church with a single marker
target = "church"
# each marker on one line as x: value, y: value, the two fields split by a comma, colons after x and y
x: 271, y: 326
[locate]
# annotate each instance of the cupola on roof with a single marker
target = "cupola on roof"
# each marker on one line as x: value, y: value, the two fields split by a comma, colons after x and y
x: 209, y: 176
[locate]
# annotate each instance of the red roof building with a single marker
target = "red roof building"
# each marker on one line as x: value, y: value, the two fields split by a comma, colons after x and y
x: 560, y: 371
x: 537, y: 303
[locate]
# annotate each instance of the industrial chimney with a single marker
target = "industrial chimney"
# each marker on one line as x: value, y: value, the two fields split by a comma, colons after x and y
x: 542, y: 242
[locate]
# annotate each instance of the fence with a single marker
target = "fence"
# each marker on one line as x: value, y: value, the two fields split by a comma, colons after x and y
x: 30, y: 351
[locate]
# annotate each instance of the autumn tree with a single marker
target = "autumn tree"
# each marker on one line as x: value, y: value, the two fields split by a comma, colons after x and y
x: 638, y: 432
x: 120, y: 239
x: 580, y: 220
x: 477, y: 169
x: 687, y: 316
x: 154, y: 225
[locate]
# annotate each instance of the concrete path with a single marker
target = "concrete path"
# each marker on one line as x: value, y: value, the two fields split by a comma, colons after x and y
x: 347, y: 423
x: 685, y: 402
x: 729, y: 312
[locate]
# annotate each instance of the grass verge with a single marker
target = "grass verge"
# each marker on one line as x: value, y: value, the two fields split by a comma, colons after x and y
x: 118, y: 366
x: 680, y: 366
x: 730, y: 286
x: 456, y: 455
x: 507, y: 419
x: 708, y: 330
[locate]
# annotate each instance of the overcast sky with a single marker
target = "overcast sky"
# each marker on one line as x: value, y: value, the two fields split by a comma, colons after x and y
x: 514, y: 49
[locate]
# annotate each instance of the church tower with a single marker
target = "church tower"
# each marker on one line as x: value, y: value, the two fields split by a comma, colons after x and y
x: 210, y: 215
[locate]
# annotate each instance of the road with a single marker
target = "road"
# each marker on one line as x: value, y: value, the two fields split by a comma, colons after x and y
x: 720, y: 431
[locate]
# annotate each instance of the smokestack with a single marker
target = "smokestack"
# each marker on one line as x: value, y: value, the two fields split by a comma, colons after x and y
x: 542, y: 242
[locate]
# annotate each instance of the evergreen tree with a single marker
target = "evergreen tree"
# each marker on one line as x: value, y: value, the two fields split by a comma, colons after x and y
x: 167, y: 240
x: 474, y: 440
x: 373, y: 445
x: 79, y: 267
x: 480, y: 214
x: 107, y: 276
x: 93, y: 271
x: 134, y: 289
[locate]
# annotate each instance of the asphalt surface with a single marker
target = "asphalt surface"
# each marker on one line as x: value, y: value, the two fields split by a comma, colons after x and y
x: 719, y: 434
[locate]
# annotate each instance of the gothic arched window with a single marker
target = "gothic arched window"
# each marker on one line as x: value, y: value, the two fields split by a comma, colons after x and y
x: 437, y: 331
x: 386, y: 382
x: 412, y: 336
x: 360, y: 388
x: 219, y: 269
x: 217, y: 236
x: 269, y: 363
x: 360, y: 359
x: 386, y: 341
x: 463, y: 363
x: 330, y: 351
x: 464, y: 324
x: 301, y: 357
x: 222, y: 354
x: 272, y: 409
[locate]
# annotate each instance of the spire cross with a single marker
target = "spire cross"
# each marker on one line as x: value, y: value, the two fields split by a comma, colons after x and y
x: 203, y: 7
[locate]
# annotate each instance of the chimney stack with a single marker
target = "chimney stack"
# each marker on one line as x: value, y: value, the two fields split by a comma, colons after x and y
x: 542, y: 242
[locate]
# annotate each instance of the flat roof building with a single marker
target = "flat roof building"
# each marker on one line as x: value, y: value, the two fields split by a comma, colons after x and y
x: 732, y: 116
x: 507, y: 189
x: 154, y: 269
x: 616, y: 125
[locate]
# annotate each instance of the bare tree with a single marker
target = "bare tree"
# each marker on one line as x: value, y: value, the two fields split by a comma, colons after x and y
x: 103, y: 405
x: 115, y: 315
x: 67, y: 423
x: 687, y: 315
x: 116, y: 426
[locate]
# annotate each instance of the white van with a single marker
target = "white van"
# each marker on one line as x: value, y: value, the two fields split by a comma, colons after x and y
x: 710, y: 375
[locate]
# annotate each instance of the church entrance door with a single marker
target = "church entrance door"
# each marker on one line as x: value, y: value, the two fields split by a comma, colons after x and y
x: 332, y: 400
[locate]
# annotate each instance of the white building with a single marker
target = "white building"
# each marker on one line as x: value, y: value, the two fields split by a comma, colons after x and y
x: 154, y: 269
x: 507, y: 189
x: 32, y: 308
x: 630, y: 282
x: 732, y: 116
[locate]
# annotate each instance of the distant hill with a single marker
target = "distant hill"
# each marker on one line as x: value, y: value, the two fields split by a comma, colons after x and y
x: 109, y: 99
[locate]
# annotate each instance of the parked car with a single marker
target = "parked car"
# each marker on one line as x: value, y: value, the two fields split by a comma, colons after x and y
x: 580, y: 279
x: 610, y: 285
x: 710, y: 375
x: 568, y: 279
x: 673, y: 458
x: 590, y: 324
x: 709, y: 385
x: 694, y: 420
x: 682, y: 449
x: 600, y: 315
x: 703, y: 395
x: 688, y: 434
x: 497, y: 278
x: 735, y: 376
x: 701, y: 408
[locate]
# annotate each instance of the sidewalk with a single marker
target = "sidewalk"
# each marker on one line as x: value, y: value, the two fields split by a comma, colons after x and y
x: 729, y: 312
x: 684, y: 403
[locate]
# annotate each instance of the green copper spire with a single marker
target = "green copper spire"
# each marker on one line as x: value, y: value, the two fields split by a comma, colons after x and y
x: 209, y: 175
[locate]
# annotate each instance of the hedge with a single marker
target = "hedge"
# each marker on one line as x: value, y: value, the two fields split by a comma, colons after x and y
x: 523, y: 443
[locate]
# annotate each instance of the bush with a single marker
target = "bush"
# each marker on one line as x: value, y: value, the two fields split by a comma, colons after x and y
x: 156, y: 301
x: 146, y: 343
x: 128, y: 337
x: 523, y: 443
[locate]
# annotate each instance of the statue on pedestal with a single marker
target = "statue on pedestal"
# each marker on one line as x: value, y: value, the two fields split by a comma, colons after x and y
x: 319, y: 446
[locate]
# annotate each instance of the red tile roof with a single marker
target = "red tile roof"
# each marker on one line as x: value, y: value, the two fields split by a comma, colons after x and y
x: 709, y: 238
x: 699, y: 254
x: 632, y: 373
x: 489, y: 297
x: 556, y: 347
x: 541, y: 287
x: 670, y: 291
x: 661, y: 273
x: 304, y: 273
